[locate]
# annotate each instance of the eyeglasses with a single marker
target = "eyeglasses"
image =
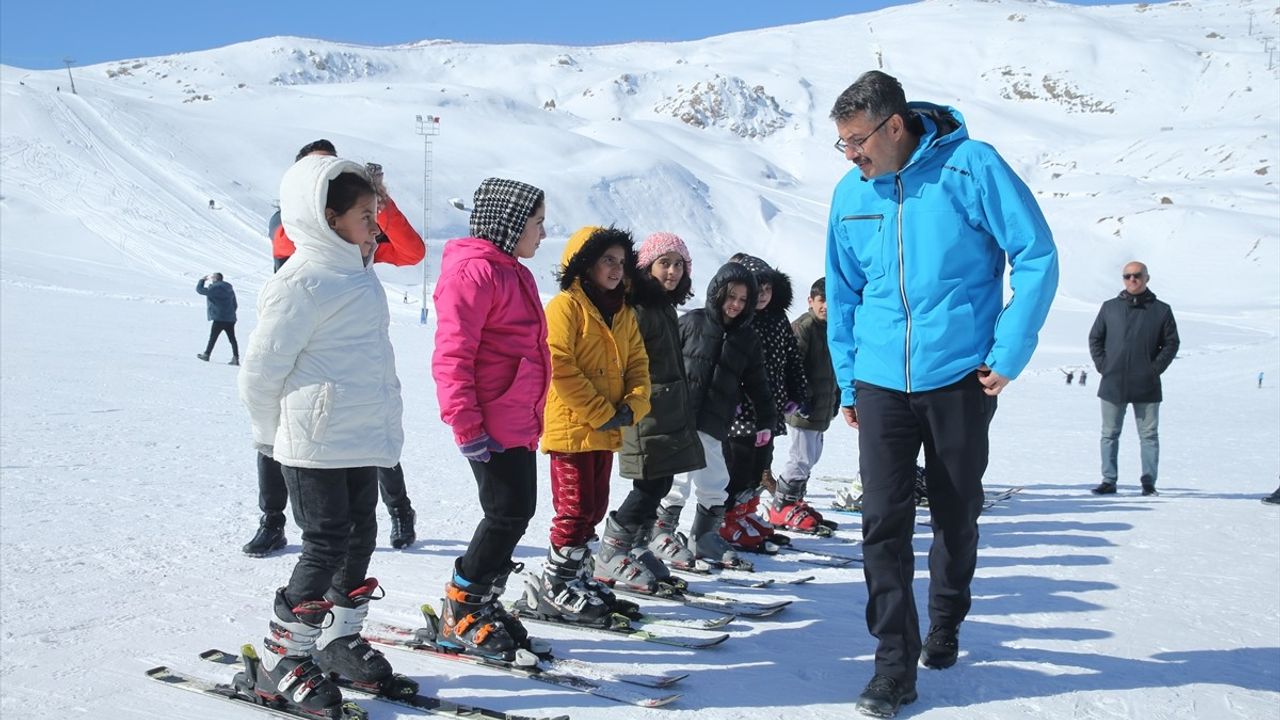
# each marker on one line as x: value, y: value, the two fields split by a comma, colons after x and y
x: 843, y: 145
x: 1132, y: 276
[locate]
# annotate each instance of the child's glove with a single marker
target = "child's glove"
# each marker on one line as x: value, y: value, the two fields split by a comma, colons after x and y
x: 762, y: 437
x: 480, y: 449
x: 622, y: 418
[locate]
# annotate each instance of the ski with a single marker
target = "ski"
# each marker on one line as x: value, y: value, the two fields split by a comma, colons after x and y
x: 827, y: 558
x: 620, y: 624
x: 611, y: 688
x: 427, y: 703
x: 715, y: 603
x: 765, y: 582
x: 224, y: 691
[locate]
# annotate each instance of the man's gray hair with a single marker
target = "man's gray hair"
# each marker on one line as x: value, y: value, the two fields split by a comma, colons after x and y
x: 877, y: 94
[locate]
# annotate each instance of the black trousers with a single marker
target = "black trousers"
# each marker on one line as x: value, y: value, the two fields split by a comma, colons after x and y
x: 273, y: 495
x: 951, y: 424
x: 746, y: 463
x: 640, y: 507
x: 336, y: 510
x: 217, y: 329
x: 508, y: 486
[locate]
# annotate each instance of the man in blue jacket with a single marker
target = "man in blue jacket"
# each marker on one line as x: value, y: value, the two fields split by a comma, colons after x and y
x: 220, y: 304
x: 922, y: 343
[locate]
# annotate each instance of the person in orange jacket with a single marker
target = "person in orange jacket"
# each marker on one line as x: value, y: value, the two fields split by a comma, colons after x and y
x: 398, y: 244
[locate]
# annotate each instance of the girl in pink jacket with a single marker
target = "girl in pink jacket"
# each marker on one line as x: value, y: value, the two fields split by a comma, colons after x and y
x: 492, y: 369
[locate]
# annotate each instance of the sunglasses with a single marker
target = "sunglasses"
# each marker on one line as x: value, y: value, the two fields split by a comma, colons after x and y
x: 1132, y: 276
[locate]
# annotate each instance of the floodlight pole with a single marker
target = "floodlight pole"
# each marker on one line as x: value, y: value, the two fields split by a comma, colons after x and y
x: 428, y: 127
x: 67, y: 62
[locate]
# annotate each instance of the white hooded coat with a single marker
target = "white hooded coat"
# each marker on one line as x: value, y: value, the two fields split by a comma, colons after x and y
x: 319, y: 375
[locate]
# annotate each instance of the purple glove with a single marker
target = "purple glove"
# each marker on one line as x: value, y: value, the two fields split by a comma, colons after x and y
x: 480, y: 449
x: 762, y: 437
x: 791, y: 408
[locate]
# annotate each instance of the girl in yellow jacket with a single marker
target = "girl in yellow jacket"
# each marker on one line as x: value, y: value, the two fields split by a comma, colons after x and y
x: 599, y: 384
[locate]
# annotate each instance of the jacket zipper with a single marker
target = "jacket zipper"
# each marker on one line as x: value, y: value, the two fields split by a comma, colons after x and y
x: 902, y: 282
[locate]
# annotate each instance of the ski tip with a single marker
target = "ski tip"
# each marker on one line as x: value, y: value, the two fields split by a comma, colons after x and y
x: 660, y: 701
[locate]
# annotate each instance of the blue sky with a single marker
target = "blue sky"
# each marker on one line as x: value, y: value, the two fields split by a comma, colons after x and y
x: 40, y: 33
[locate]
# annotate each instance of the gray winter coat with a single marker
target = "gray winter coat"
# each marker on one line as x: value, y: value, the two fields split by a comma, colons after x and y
x: 220, y: 300
x: 1133, y: 341
x: 824, y: 395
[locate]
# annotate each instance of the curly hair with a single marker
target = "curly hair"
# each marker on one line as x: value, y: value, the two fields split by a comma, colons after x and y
x: 592, y: 250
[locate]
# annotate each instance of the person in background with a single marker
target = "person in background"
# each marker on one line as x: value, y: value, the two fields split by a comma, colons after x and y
x: 397, y: 244
x: 922, y: 342
x: 220, y: 307
x: 1133, y: 341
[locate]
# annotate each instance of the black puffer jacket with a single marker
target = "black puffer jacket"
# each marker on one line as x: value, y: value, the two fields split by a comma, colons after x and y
x: 724, y: 360
x: 824, y: 394
x: 1133, y: 341
x: 783, y: 363
x: 665, y: 441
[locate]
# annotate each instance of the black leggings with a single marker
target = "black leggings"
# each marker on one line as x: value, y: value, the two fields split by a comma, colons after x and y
x: 746, y: 463
x: 218, y: 328
x: 508, y: 486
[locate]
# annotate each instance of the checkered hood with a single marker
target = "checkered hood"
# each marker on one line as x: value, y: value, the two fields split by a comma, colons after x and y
x: 501, y: 208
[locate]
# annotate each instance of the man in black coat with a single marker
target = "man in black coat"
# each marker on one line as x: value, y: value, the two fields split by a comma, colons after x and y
x: 1132, y: 343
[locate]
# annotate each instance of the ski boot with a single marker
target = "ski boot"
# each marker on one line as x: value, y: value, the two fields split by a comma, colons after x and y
x: 269, y: 538
x: 709, y: 545
x: 624, y: 559
x: 340, y: 650
x: 402, y: 533
x: 566, y: 591
x: 288, y: 674
x: 922, y: 488
x: 742, y: 533
x: 789, y: 510
x: 476, y: 622
x: 670, y: 546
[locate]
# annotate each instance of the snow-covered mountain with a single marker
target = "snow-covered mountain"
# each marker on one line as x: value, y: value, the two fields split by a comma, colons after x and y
x: 1147, y: 132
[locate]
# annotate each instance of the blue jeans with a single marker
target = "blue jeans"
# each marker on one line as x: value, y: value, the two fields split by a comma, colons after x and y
x: 1147, y: 416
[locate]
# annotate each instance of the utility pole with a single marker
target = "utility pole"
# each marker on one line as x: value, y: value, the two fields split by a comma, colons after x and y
x: 67, y: 62
x: 428, y: 127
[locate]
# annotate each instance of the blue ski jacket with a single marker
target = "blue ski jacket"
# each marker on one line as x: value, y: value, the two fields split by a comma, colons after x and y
x: 916, y: 262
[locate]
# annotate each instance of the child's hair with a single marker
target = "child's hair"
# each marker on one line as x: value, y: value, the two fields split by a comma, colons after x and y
x: 320, y: 145
x: 593, y: 249
x: 345, y: 191
x: 819, y: 289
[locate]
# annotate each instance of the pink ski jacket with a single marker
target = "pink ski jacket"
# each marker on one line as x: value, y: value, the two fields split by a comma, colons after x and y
x: 491, y: 364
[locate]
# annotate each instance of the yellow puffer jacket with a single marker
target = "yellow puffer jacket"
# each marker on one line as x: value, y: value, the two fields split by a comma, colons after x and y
x: 593, y: 368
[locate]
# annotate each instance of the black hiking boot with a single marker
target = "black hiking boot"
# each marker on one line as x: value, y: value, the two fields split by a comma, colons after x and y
x: 402, y: 533
x: 1104, y: 488
x: 269, y: 538
x: 884, y: 695
x: 941, y: 647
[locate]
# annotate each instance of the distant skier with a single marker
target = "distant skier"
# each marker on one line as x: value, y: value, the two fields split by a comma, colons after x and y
x: 1259, y: 381
x: 220, y: 306
x: 1071, y: 375
x: 1083, y: 376
x: 212, y: 206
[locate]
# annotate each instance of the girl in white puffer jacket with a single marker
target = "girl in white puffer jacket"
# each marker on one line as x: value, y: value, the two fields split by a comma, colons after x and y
x: 320, y: 383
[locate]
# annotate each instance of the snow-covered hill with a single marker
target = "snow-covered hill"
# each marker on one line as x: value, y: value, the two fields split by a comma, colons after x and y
x: 1147, y: 131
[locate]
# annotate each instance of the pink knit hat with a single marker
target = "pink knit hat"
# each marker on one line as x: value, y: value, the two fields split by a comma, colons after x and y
x: 659, y: 244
